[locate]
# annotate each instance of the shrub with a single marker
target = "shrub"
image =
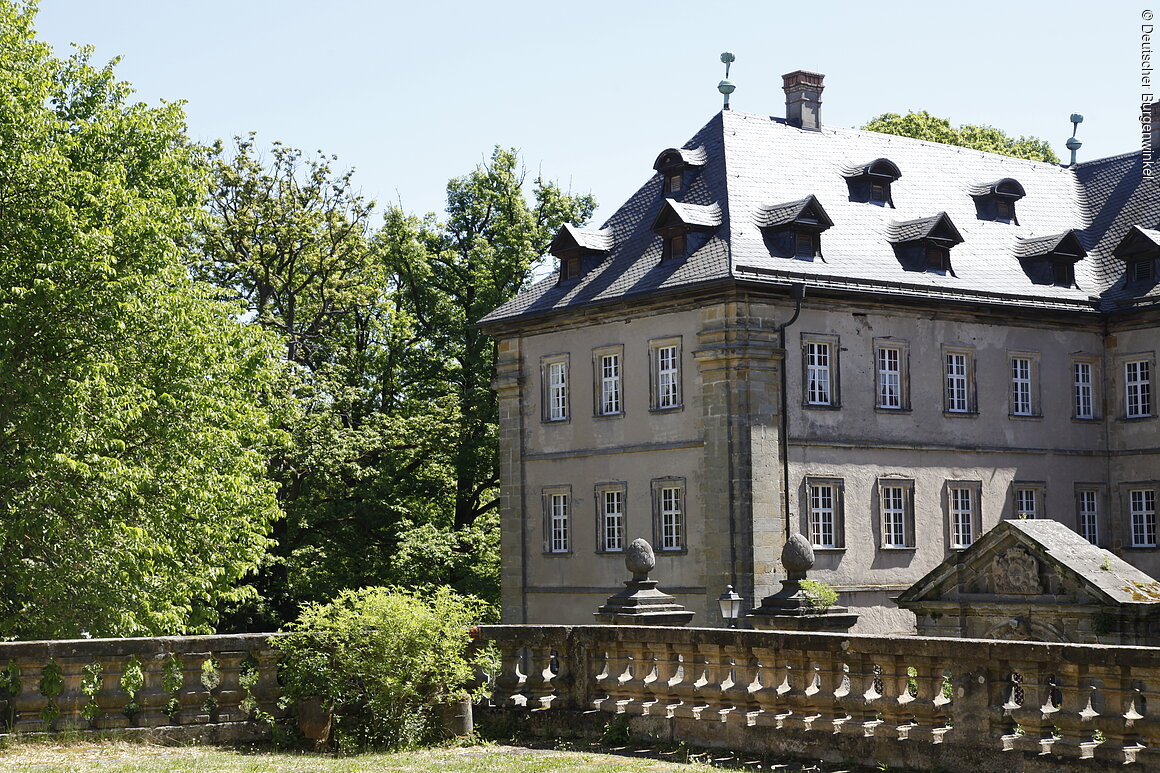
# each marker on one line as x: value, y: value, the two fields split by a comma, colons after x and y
x: 819, y: 596
x: 382, y: 660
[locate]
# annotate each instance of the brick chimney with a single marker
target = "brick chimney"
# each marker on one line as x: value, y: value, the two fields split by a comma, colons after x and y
x: 803, y: 99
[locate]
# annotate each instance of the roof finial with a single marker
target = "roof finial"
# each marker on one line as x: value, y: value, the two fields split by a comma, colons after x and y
x: 1073, y: 144
x: 726, y: 86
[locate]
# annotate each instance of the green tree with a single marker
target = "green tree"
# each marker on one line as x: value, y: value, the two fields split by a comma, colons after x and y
x: 135, y: 412
x: 924, y: 126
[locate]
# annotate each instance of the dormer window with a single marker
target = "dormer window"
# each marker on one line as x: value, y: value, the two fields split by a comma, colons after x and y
x: 677, y: 166
x: 925, y: 244
x: 1139, y: 250
x: 871, y: 182
x: 681, y: 226
x: 1050, y: 260
x: 579, y: 249
x: 793, y: 229
x: 996, y: 201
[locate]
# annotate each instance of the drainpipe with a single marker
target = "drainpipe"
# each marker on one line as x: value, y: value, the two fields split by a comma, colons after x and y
x: 797, y: 291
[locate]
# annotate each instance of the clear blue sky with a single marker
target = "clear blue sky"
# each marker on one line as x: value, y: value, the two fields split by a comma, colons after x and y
x: 411, y: 94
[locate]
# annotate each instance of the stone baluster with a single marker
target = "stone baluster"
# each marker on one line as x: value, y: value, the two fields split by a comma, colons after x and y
x: 768, y: 699
x: 670, y: 676
x: 798, y: 677
x: 686, y: 690
x: 709, y: 701
x: 1035, y: 716
x: 540, y: 684
x: 1074, y: 739
x: 111, y: 698
x: 508, y: 684
x: 942, y: 702
x: 740, y: 687
x: 654, y: 687
x: 266, y: 690
x: 1145, y: 751
x: 833, y: 693
x: 860, y: 704
x: 152, y: 697
x: 72, y: 699
x: 230, y: 694
x: 617, y: 671
x: 191, y: 698
x: 26, y: 705
x: 924, y: 683
x: 633, y: 682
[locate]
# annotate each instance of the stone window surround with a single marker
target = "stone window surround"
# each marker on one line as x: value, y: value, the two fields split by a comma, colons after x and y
x: 1125, y: 494
x: 1093, y: 361
x: 908, y: 528
x: 903, y: 348
x: 839, y: 510
x: 1038, y: 491
x: 547, y: 494
x: 546, y: 362
x: 832, y: 342
x: 976, y: 489
x: 654, y: 347
x: 1035, y: 407
x: 658, y: 485
x: 1122, y: 361
x: 601, y: 524
x: 598, y: 380
x: 972, y: 404
x: 1101, y: 496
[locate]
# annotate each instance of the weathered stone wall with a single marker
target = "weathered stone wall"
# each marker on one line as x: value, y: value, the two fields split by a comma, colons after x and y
x: 959, y: 705
x: 180, y: 687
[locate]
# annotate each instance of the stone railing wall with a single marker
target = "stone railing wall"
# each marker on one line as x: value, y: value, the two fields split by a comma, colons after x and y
x: 912, y: 702
x: 183, y: 684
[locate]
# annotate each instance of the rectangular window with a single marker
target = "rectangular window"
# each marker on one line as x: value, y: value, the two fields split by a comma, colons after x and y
x: 1026, y: 503
x: 611, y: 502
x: 1087, y: 515
x: 1021, y: 386
x: 1141, y: 270
x: 896, y: 510
x: 964, y: 514
x: 958, y: 381
x: 1137, y: 389
x: 805, y: 244
x: 668, y: 377
x: 1082, y: 390
x: 557, y: 520
x: 555, y: 376
x: 824, y: 521
x: 889, y: 378
x: 606, y: 365
x: 669, y: 514
x: 1142, y: 511
x: 819, y: 370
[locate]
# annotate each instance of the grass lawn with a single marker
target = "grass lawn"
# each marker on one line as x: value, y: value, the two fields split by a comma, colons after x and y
x: 121, y: 757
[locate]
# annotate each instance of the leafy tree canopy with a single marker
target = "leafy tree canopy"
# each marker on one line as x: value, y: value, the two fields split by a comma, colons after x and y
x: 135, y: 411
x: 924, y: 126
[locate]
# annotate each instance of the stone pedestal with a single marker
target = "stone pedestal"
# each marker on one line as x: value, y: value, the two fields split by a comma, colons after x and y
x: 641, y: 603
x: 791, y: 608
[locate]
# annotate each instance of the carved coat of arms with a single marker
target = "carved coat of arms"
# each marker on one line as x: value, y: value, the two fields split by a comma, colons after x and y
x: 1015, y: 571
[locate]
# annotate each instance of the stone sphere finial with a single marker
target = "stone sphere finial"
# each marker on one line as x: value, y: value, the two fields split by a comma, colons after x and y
x: 639, y: 558
x: 797, y: 556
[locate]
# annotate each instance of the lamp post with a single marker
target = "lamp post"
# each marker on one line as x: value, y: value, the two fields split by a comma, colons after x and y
x: 730, y: 605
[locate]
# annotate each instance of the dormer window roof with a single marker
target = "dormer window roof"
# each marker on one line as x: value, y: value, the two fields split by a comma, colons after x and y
x: 925, y: 244
x: 579, y: 248
x: 677, y: 167
x: 677, y: 220
x: 871, y: 182
x: 1139, y: 249
x: 1050, y: 260
x: 996, y: 201
x: 793, y: 229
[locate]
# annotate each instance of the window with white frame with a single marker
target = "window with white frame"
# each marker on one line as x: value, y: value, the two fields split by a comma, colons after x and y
x: 963, y: 502
x: 607, y: 366
x: 555, y: 375
x: 1137, y: 388
x: 557, y: 520
x: 824, y: 512
x: 666, y: 374
x: 1026, y: 503
x: 896, y: 512
x: 1142, y: 513
x: 610, y: 516
x: 1021, y: 386
x: 889, y: 377
x: 1088, y: 514
x: 669, y: 513
x: 819, y: 370
x: 1083, y: 390
x: 958, y: 374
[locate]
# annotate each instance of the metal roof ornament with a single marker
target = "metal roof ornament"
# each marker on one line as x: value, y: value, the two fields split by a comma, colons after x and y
x: 1073, y: 144
x: 726, y: 86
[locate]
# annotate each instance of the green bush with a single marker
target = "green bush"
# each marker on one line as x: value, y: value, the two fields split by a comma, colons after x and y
x: 819, y: 596
x: 382, y: 660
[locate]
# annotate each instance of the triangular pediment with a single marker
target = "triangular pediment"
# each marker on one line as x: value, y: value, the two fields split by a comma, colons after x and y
x: 1033, y: 561
x: 807, y: 213
x: 1139, y: 242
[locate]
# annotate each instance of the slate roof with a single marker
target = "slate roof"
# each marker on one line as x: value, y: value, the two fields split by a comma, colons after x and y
x: 751, y: 160
x: 922, y: 228
x: 775, y: 215
x: 590, y: 238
